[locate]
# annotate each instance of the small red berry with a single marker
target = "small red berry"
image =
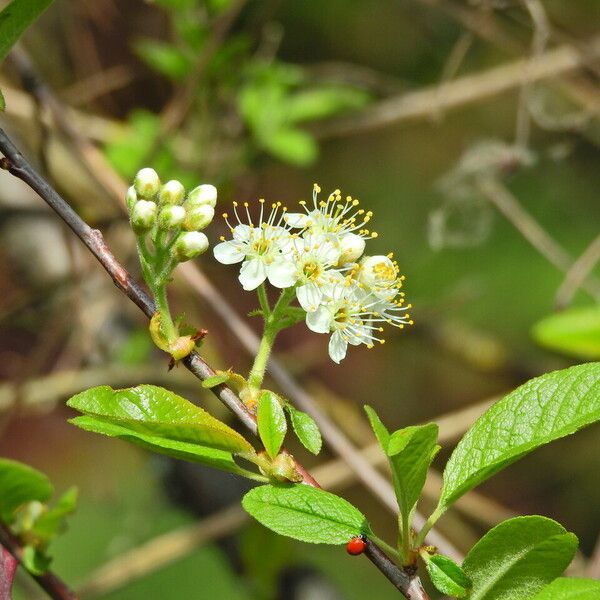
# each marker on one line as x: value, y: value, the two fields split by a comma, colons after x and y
x: 357, y: 545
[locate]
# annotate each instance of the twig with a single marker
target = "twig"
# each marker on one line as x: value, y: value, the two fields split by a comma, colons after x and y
x: 428, y: 102
x: 16, y: 164
x: 530, y: 229
x: 578, y: 273
x: 52, y: 584
x: 110, y: 181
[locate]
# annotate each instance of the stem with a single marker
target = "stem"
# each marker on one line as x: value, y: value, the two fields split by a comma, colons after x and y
x: 405, y: 537
x: 257, y: 373
x: 431, y: 521
x: 162, y: 306
x: 272, y: 328
x: 264, y: 301
x: 389, y: 549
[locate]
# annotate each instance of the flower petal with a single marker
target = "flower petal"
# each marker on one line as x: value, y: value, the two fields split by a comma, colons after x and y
x: 337, y: 347
x: 228, y: 253
x: 309, y: 296
x: 319, y: 320
x: 252, y: 274
x: 296, y: 219
x: 282, y: 273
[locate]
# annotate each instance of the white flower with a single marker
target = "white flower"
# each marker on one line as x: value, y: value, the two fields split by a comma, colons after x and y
x: 261, y: 249
x: 379, y: 275
x: 313, y: 257
x: 333, y: 216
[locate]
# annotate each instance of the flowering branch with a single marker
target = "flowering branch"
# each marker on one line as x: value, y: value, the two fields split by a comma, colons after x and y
x: 15, y: 163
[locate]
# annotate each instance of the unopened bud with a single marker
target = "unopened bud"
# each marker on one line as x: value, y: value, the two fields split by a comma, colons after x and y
x: 189, y: 245
x: 171, y: 217
x: 143, y: 216
x: 131, y: 198
x: 203, y: 194
x: 147, y: 183
x: 199, y: 217
x: 352, y: 247
x: 171, y: 192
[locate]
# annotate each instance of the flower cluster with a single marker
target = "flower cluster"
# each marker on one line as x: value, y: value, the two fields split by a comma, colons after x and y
x: 172, y: 219
x: 320, y: 253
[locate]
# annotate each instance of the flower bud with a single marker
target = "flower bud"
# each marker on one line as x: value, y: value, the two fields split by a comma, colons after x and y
x: 171, y: 217
x: 131, y: 198
x: 203, y: 194
x: 143, y: 216
x: 352, y: 247
x: 147, y: 183
x: 379, y: 273
x: 189, y: 245
x: 198, y: 217
x: 171, y: 192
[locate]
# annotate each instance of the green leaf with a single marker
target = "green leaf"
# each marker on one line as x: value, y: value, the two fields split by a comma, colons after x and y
x: 291, y: 145
x: 272, y: 425
x: 19, y: 484
x: 215, y: 380
x: 49, y: 524
x: 447, y: 576
x: 16, y: 18
x: 542, y: 410
x: 164, y: 58
x: 379, y: 429
x: 212, y: 457
x: 570, y: 588
x: 410, y: 452
x: 575, y: 332
x: 518, y: 558
x: 310, y: 105
x: 305, y: 429
x: 305, y: 513
x: 157, y: 412
x: 2, y: 102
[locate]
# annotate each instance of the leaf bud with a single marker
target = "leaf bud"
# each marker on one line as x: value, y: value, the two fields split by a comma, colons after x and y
x: 171, y: 192
x: 131, y: 198
x: 147, y: 183
x: 189, y: 245
x: 170, y: 217
x: 143, y: 216
x: 203, y: 194
x: 199, y: 217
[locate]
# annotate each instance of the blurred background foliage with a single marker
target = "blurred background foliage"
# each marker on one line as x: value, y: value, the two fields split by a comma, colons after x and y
x: 262, y: 99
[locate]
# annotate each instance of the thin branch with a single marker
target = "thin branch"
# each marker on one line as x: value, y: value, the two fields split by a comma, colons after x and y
x: 16, y: 164
x: 578, y: 273
x: 53, y: 585
x: 429, y: 101
x: 530, y: 229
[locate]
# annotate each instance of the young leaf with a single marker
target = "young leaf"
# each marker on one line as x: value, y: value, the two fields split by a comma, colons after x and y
x: 19, y: 484
x: 271, y: 422
x: 306, y: 429
x: 518, y: 558
x: 36, y: 561
x: 193, y: 452
x: 154, y: 411
x: 2, y: 102
x: 447, y: 576
x: 410, y: 452
x: 305, y: 513
x: 164, y: 58
x: 570, y: 588
x: 16, y: 18
x: 575, y: 332
x: 542, y: 410
x: 215, y: 380
x: 53, y: 521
